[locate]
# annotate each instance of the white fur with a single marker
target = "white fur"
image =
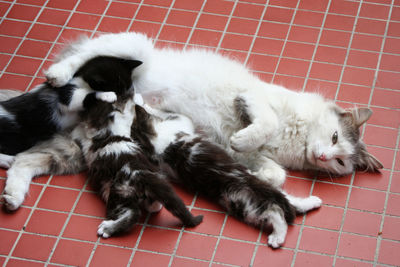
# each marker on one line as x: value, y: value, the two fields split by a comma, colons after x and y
x: 109, y: 97
x: 5, y: 114
x: 288, y: 128
x: 108, y: 227
x: 118, y: 148
x: 6, y: 161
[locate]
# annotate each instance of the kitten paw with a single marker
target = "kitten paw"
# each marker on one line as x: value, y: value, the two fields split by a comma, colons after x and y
x: 276, y: 240
x: 154, y: 207
x: 58, y: 74
x: 12, y: 202
x: 6, y: 161
x: 313, y: 202
x: 106, y: 229
x: 195, y: 221
x: 273, y: 175
x: 242, y: 141
x: 109, y: 97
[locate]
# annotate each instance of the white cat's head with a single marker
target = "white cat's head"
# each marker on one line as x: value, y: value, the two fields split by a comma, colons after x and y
x: 334, y: 143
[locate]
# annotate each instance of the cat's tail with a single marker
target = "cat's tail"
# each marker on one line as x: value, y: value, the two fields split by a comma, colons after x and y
x: 159, y: 189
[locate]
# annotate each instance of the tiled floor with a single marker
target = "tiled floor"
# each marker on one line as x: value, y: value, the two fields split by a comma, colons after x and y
x: 347, y: 50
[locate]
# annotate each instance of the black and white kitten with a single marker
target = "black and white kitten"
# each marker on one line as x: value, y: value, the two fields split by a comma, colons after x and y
x: 207, y: 168
x: 119, y: 170
x: 39, y: 114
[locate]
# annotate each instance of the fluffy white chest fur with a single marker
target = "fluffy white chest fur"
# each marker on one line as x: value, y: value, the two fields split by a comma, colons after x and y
x: 262, y: 125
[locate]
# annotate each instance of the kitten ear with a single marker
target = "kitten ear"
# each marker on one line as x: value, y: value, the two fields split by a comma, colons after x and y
x: 141, y: 114
x: 367, y: 162
x: 132, y: 64
x: 357, y: 116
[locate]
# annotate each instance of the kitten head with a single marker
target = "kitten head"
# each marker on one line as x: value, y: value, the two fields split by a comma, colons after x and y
x: 106, y: 73
x: 334, y: 143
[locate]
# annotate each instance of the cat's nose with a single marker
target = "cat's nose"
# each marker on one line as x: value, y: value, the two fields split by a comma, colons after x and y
x: 322, y: 157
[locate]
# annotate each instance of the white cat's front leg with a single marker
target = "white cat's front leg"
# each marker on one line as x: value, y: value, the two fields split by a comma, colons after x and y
x: 6, y: 161
x: 259, y: 119
x: 270, y: 171
x: 61, y: 72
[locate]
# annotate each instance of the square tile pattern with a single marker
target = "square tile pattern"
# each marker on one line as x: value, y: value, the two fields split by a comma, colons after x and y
x: 347, y: 50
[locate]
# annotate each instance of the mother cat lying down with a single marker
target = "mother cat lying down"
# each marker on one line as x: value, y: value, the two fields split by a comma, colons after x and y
x: 264, y: 126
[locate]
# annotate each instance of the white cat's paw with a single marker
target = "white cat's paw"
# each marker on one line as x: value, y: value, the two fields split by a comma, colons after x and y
x: 244, y: 141
x: 106, y: 228
x: 109, y: 97
x: 13, y: 202
x: 274, y: 175
x: 154, y: 207
x: 276, y: 240
x: 58, y: 74
x: 6, y: 161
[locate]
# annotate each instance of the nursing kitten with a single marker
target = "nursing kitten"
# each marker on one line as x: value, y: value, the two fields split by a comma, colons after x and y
x: 119, y: 170
x: 48, y: 110
x: 206, y: 168
x: 264, y: 126
x: 37, y: 115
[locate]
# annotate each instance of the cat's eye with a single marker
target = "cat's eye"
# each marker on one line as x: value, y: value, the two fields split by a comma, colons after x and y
x: 334, y: 137
x: 340, y: 161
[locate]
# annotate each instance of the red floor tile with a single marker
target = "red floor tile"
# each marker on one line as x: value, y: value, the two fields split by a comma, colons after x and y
x: 358, y: 76
x: 7, y: 241
x: 278, y: 14
x: 44, y: 32
x: 262, y: 62
x: 25, y: 263
x: 28, y: 245
x: 14, y: 28
x: 325, y: 71
x: 149, y: 28
x: 368, y: 200
x: 239, y: 230
x: 354, y: 93
x: 53, y: 16
x: 395, y: 186
x: 388, y: 253
x: 248, y: 10
x: 302, y: 34
x: 218, y: 7
x: 165, y: 219
x: 24, y: 65
x: 181, y: 18
x: 234, y: 252
x: 58, y: 199
x: 165, y: 240
x: 374, y: 11
x: 344, y: 7
x: 205, y: 37
x: 391, y: 228
x: 33, y: 194
x: 298, y: 50
x: 9, y: 44
x: 113, y: 25
x: 393, y: 207
x: 370, y: 26
x: 174, y: 33
x: 182, y: 262
x: 293, y: 67
x: 91, y: 204
x: 235, y: 41
x: 308, y: 18
x: 280, y: 257
x: 332, y: 194
x: 121, y: 9
x: 92, y: 6
x: 212, y: 22
x: 22, y: 12
x: 392, y: 45
x: 83, y: 21
x: 188, y: 4
x: 338, y: 22
x: 61, y: 4
x: 330, y: 54
x: 126, y: 240
x: 150, y: 13
x: 82, y: 228
x: 17, y: 82
x: 273, y: 30
x: 380, y: 136
x: 319, y: 240
x: 34, y: 48
x: 325, y: 217
x: 363, y: 223
x: 46, y: 222
x: 355, y: 246
x: 293, y: 83
x: 72, y: 252
x: 306, y: 259
x: 268, y: 46
x: 196, y: 246
x: 335, y: 38
x: 14, y: 220
x: 348, y: 263
x: 243, y: 26
x: 149, y: 259
x: 212, y: 222
x: 367, y: 42
x: 101, y: 257
x: 362, y: 59
x: 378, y: 181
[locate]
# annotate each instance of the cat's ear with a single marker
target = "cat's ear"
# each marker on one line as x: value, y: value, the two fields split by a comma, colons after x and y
x: 132, y: 64
x: 367, y: 162
x: 358, y: 116
x: 141, y: 114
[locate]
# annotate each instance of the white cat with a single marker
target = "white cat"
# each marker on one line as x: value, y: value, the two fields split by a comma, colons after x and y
x: 264, y: 126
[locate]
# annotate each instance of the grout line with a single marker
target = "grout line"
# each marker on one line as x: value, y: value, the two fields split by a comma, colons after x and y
x: 155, y: 39
x: 379, y: 238
x: 291, y: 24
x: 7, y: 12
x: 200, y: 12
x: 317, y: 45
x: 226, y: 27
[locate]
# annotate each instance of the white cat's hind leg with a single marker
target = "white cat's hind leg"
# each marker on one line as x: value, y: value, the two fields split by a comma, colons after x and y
x: 6, y: 161
x: 303, y: 205
x: 271, y: 172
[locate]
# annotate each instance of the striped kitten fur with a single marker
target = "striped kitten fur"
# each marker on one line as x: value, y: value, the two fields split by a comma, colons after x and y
x: 119, y: 170
x: 206, y: 168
